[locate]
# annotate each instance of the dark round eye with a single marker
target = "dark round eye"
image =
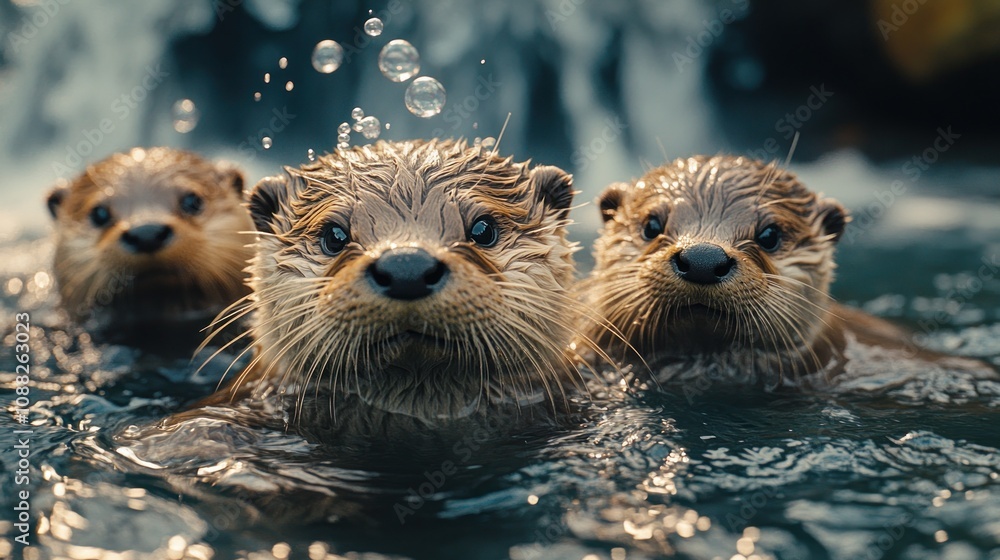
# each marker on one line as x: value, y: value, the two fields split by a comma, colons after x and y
x: 484, y: 231
x: 769, y: 238
x: 192, y: 204
x: 100, y: 215
x: 333, y: 239
x: 652, y: 229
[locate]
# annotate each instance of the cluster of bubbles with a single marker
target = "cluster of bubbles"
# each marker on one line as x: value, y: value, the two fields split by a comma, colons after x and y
x: 368, y: 126
x: 398, y: 61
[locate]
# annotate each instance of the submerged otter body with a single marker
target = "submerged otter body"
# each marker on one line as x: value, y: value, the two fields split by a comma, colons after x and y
x: 408, y: 284
x: 150, y: 237
x: 719, y: 268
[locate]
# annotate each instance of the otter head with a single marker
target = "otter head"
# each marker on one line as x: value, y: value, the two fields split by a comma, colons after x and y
x: 151, y: 235
x: 716, y: 254
x: 426, y: 278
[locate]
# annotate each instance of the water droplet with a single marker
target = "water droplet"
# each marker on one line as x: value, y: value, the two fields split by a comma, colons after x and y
x: 343, y: 145
x: 311, y: 154
x: 399, y: 60
x: 369, y: 127
x: 425, y: 97
x: 266, y: 142
x: 186, y: 116
x: 327, y: 56
x: 475, y: 126
x: 483, y: 61
x: 489, y: 142
x: 344, y: 128
x: 357, y: 114
x: 283, y: 63
x: 289, y: 85
x: 373, y: 27
x: 343, y: 138
x: 256, y: 96
x: 356, y: 127
x: 267, y: 77
x: 387, y: 126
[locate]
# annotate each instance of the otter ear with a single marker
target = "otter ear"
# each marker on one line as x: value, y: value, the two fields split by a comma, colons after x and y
x: 553, y: 188
x: 611, y: 199
x: 232, y: 177
x: 834, y: 217
x: 56, y: 197
x: 266, y: 200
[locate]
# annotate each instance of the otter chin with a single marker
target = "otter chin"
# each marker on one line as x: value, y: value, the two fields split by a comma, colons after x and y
x: 720, y: 267
x: 148, y: 237
x: 425, y: 279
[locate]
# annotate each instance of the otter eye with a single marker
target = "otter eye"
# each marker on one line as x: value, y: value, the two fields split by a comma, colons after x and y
x: 769, y: 238
x: 100, y: 215
x: 652, y: 229
x: 192, y: 204
x: 484, y: 231
x: 333, y: 239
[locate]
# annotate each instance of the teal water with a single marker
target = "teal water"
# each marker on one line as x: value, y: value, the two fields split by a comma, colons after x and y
x: 719, y: 473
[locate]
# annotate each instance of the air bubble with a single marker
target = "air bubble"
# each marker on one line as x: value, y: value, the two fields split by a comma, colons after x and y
x: 344, y: 128
x: 266, y: 142
x: 256, y: 96
x: 185, y: 116
x: 425, y: 97
x: 369, y: 127
x: 399, y: 60
x: 373, y: 27
x: 488, y: 142
x: 343, y: 145
x: 343, y: 138
x: 289, y: 85
x: 327, y: 56
x: 267, y: 77
x: 357, y: 113
x: 311, y: 154
x: 283, y: 63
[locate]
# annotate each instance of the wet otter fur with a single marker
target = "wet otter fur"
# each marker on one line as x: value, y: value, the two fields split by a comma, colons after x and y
x: 150, y: 237
x: 409, y: 284
x: 720, y: 267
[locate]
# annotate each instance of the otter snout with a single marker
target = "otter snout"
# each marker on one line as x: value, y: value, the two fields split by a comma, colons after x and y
x: 147, y: 238
x: 407, y: 273
x: 703, y: 263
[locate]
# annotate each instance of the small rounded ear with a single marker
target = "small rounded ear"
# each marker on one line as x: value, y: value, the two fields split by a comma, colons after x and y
x: 553, y: 188
x: 834, y: 217
x: 56, y: 197
x: 232, y: 177
x: 266, y: 200
x: 611, y: 199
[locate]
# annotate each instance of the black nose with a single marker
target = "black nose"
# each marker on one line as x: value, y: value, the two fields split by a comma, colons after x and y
x: 147, y: 238
x: 407, y: 273
x: 703, y: 263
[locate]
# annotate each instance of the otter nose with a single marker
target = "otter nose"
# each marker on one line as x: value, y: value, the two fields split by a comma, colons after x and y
x: 704, y: 263
x: 407, y: 273
x: 147, y: 238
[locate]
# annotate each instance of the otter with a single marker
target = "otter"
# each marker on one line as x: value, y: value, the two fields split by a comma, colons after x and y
x: 149, y: 237
x: 720, y: 267
x: 408, y: 284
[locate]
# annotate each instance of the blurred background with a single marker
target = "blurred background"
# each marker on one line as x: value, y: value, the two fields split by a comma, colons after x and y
x: 894, y: 100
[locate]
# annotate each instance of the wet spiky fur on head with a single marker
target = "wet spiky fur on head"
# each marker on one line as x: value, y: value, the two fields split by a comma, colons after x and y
x: 768, y: 319
x: 496, y: 331
x: 199, y: 272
